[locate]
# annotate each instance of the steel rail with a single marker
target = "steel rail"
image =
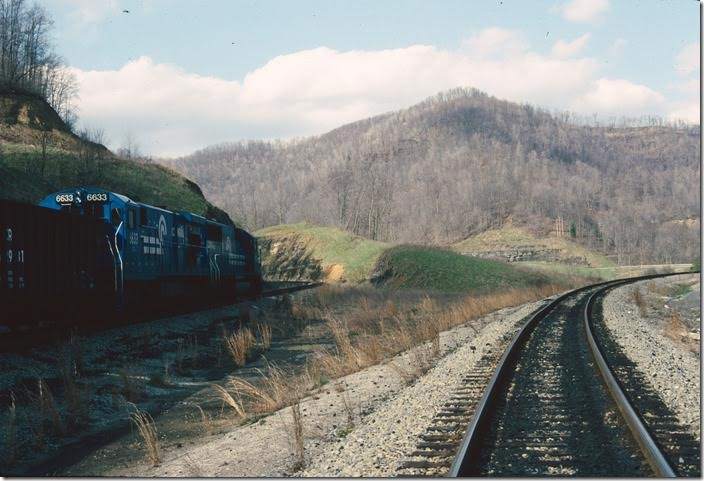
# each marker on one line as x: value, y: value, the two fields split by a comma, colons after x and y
x: 656, y: 459
x: 466, y: 456
x: 290, y: 289
x: 464, y: 464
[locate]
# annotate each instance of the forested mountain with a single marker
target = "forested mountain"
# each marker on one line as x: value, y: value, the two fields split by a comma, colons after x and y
x: 462, y: 162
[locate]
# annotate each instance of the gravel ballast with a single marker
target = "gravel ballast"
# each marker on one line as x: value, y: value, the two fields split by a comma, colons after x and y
x: 376, y: 447
x: 671, y: 367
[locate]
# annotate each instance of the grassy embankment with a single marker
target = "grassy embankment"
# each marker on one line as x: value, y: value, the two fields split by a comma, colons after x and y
x: 340, y: 256
x: 423, y: 267
x: 572, y: 258
x: 336, y: 256
x: 27, y: 174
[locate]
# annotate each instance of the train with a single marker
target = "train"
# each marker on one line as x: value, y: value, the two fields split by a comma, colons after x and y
x: 85, y: 252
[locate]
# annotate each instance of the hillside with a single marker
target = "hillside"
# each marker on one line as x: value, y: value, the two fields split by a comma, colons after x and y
x: 443, y: 270
x: 518, y: 244
x: 39, y: 154
x: 308, y: 251
x: 463, y: 162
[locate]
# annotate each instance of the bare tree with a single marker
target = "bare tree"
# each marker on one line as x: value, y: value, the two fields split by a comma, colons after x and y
x: 45, y: 138
x: 27, y: 60
x: 463, y: 162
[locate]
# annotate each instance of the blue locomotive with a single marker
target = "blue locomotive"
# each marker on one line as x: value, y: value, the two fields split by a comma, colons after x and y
x: 149, y: 253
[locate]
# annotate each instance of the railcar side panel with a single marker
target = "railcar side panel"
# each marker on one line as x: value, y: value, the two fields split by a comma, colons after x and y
x: 54, y: 266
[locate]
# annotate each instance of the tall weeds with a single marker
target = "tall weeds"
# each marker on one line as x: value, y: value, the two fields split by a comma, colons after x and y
x: 47, y: 410
x: 368, y: 333
x: 147, y: 431
x: 227, y: 399
x: 386, y: 331
x: 277, y: 389
x: 639, y: 301
x: 264, y: 335
x: 297, y: 437
x: 11, y: 433
x: 239, y: 344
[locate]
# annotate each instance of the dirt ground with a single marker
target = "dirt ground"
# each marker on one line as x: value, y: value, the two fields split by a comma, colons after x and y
x: 337, y: 425
x: 65, y: 409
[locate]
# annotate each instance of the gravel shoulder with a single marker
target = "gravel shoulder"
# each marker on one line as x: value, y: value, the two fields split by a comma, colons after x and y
x: 660, y: 333
x: 363, y: 424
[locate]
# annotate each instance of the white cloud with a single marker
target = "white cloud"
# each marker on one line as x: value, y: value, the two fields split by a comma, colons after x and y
x: 494, y: 41
x: 619, y: 97
x: 172, y: 111
x: 687, y: 60
x: 564, y: 49
x: 583, y: 11
x: 686, y: 111
x: 687, y: 64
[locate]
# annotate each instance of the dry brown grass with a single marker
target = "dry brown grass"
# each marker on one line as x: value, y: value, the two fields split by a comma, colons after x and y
x: 11, y: 433
x: 367, y: 326
x: 47, y: 409
x: 296, y: 433
x: 75, y: 395
x: 228, y: 399
x: 368, y: 335
x: 349, y: 408
x: 239, y: 344
x: 146, y: 428
x: 676, y: 329
x: 264, y: 335
x: 276, y: 390
x: 406, y: 374
x: 640, y: 302
x: 205, y: 419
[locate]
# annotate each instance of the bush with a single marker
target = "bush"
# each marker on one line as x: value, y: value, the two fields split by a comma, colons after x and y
x: 697, y: 265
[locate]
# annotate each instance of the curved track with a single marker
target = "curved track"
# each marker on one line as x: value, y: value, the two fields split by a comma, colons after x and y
x: 547, y: 410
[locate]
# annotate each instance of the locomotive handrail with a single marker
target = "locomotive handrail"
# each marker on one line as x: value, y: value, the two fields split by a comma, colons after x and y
x: 121, y: 283
x: 114, y: 264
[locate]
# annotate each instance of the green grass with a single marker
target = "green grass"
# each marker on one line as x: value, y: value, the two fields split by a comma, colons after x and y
x: 21, y: 179
x: 679, y: 290
x: 332, y: 246
x: 443, y: 270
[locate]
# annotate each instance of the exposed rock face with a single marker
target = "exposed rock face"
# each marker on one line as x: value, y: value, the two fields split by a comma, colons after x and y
x: 26, y: 118
x: 29, y: 110
x: 527, y: 253
x: 288, y: 258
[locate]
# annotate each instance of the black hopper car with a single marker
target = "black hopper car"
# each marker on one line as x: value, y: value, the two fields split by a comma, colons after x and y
x: 85, y: 254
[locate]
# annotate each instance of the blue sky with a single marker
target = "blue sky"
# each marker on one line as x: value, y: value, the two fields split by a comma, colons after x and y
x: 180, y: 75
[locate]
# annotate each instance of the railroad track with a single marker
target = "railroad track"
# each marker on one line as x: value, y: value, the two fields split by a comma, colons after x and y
x: 280, y: 288
x: 553, y: 406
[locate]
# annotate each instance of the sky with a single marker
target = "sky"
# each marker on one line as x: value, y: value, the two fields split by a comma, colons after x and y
x: 176, y: 76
